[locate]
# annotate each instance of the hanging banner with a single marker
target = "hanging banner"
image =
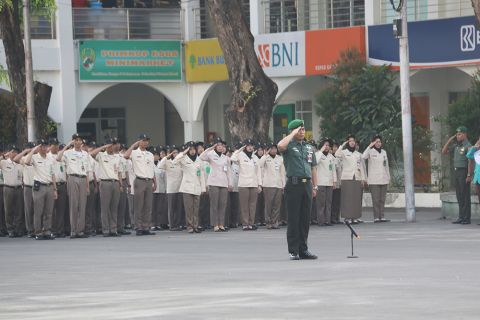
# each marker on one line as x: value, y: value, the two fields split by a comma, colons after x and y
x: 142, y: 61
x: 204, y: 61
x: 323, y: 47
x: 432, y: 43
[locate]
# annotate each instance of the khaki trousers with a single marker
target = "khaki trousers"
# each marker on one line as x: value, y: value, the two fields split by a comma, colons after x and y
x: 91, y: 210
x: 13, y: 202
x: 130, y: 209
x: 122, y: 207
x: 60, y: 210
x: 218, y: 205
x: 3, y: 225
x: 248, y: 204
x: 43, y: 203
x: 142, y: 204
x: 109, y: 197
x: 273, y: 204
x: 77, y: 195
x: 191, y: 203
x: 324, y: 204
x: 28, y: 206
x: 379, y: 193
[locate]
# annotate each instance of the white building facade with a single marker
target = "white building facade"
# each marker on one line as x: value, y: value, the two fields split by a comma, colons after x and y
x: 296, y: 41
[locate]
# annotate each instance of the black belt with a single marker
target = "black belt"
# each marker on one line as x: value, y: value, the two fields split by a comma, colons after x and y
x: 108, y: 180
x: 12, y: 187
x: 60, y: 183
x: 44, y: 184
x: 145, y: 179
x: 299, y: 179
x: 77, y: 175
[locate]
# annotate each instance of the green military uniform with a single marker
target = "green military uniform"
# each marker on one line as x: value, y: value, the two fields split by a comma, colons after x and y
x: 299, y: 158
x: 462, y: 188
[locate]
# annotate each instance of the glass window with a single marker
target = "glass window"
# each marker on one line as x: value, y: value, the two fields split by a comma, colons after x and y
x: 113, y: 113
x: 303, y: 110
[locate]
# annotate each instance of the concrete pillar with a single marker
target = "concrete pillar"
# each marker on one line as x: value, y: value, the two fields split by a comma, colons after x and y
x: 194, y: 130
x: 68, y: 83
x: 372, y: 13
x: 191, y: 14
x: 257, y: 16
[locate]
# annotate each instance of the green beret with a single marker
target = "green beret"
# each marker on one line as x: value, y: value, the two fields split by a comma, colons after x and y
x: 462, y: 129
x: 294, y: 124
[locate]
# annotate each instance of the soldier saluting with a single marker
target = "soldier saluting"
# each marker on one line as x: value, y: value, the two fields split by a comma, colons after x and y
x: 300, y: 166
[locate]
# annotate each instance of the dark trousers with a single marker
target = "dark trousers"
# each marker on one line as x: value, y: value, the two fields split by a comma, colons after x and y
x: 204, y: 214
x: 60, y: 211
x: 3, y: 225
x: 14, y: 214
x: 175, y: 203
x: 463, y: 194
x: 91, y: 210
x: 336, y: 197
x: 299, y: 205
x: 260, y: 210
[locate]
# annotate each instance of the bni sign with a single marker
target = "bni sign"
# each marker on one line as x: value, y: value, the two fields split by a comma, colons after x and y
x: 281, y: 54
x: 433, y: 43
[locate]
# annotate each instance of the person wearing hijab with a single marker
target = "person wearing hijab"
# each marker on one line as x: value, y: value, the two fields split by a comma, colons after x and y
x: 378, y: 176
x: 353, y: 179
x: 326, y: 180
x: 174, y: 197
x: 271, y: 171
x: 473, y: 155
x: 193, y: 184
x: 160, y: 202
x: 219, y: 183
x: 248, y: 185
x: 337, y: 191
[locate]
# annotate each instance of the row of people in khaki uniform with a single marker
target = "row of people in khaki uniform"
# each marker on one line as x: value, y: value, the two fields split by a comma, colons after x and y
x: 199, y: 181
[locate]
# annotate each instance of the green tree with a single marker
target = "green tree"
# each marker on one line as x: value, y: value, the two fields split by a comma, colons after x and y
x: 12, y: 38
x: 365, y: 100
x: 466, y: 111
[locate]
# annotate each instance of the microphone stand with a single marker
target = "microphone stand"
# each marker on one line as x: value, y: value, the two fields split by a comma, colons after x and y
x: 352, y: 234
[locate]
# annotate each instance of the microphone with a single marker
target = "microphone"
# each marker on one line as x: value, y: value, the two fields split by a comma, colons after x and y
x: 348, y: 224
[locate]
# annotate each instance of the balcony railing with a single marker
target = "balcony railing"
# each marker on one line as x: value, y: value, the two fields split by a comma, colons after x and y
x: 297, y: 15
x: 114, y: 23
x: 42, y: 24
x: 427, y: 9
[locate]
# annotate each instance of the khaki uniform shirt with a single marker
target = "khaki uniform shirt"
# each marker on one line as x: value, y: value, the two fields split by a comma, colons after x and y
x: 77, y: 162
x: 353, y: 165
x: 109, y: 165
x: 248, y: 170
x: 326, y: 171
x: 271, y: 171
x: 143, y: 163
x: 378, y: 170
x: 193, y: 179
x: 12, y: 173
x: 220, y: 171
x: 43, y: 168
x: 58, y: 169
x: 28, y: 173
x: 174, y: 175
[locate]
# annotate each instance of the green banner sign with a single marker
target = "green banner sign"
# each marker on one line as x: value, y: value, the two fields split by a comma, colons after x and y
x: 107, y: 61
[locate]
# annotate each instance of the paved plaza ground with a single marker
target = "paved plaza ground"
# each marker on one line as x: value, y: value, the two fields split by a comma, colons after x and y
x: 424, y: 270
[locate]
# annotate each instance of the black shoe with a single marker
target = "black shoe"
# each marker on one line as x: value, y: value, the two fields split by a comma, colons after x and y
x: 74, y: 236
x: 384, y: 220
x: 139, y: 233
x: 124, y: 232
x: 106, y: 235
x: 307, y: 255
x: 148, y: 233
x: 82, y: 236
x: 3, y: 234
x: 59, y: 235
x: 458, y: 221
x: 254, y: 227
x: 31, y: 235
x: 197, y: 230
x: 466, y: 222
x: 50, y: 236
x: 294, y: 256
x: 114, y: 234
x: 12, y: 235
x: 40, y: 237
x: 176, y: 229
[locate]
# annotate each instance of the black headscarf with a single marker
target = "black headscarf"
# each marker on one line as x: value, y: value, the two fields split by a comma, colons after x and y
x: 249, y: 154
